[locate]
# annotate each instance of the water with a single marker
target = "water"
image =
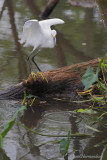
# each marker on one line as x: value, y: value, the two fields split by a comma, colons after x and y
x: 81, y: 38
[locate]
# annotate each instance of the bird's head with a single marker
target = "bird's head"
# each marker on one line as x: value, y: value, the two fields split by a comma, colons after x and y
x: 53, y: 33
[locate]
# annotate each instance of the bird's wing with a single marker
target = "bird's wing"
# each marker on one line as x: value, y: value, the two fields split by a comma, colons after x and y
x: 32, y: 33
x: 50, y: 22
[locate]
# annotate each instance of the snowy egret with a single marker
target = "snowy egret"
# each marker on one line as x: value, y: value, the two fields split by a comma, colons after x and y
x: 39, y: 35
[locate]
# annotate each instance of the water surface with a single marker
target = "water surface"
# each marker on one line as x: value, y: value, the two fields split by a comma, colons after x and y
x: 81, y: 38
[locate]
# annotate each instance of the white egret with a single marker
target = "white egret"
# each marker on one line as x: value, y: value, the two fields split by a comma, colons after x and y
x: 39, y: 35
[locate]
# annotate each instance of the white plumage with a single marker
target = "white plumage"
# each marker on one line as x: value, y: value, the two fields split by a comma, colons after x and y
x: 39, y: 34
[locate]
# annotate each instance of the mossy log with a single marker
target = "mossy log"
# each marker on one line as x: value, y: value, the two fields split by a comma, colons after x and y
x: 63, y: 82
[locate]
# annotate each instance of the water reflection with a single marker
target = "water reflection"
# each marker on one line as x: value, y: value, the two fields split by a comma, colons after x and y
x: 32, y: 7
x: 22, y: 66
x: 52, y: 120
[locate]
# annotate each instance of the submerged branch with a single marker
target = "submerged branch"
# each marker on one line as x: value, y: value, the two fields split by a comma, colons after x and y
x: 48, y: 9
x: 51, y: 135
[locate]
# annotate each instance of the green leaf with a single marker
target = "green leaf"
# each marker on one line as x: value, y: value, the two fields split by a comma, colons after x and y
x: 64, y: 144
x: 19, y: 110
x: 7, y: 128
x: 31, y: 96
x: 103, y: 86
x: 104, y: 65
x: 98, y: 98
x: 105, y: 153
x: 90, y: 77
x: 10, y: 124
x: 1, y: 141
x: 87, y: 111
x: 82, y: 110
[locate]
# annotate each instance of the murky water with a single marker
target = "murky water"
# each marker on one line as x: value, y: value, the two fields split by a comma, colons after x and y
x: 81, y: 38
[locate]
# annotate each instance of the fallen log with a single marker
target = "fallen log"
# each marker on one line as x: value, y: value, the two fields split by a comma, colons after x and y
x: 63, y: 82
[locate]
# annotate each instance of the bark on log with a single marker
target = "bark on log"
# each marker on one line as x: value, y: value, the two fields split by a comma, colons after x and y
x: 63, y: 82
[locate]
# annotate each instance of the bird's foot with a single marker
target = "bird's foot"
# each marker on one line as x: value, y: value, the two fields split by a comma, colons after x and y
x: 43, y: 76
x: 39, y: 74
x: 34, y: 75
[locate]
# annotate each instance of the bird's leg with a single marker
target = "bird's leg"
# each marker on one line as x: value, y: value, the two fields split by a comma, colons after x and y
x: 34, y: 61
x: 30, y: 66
x: 40, y: 72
